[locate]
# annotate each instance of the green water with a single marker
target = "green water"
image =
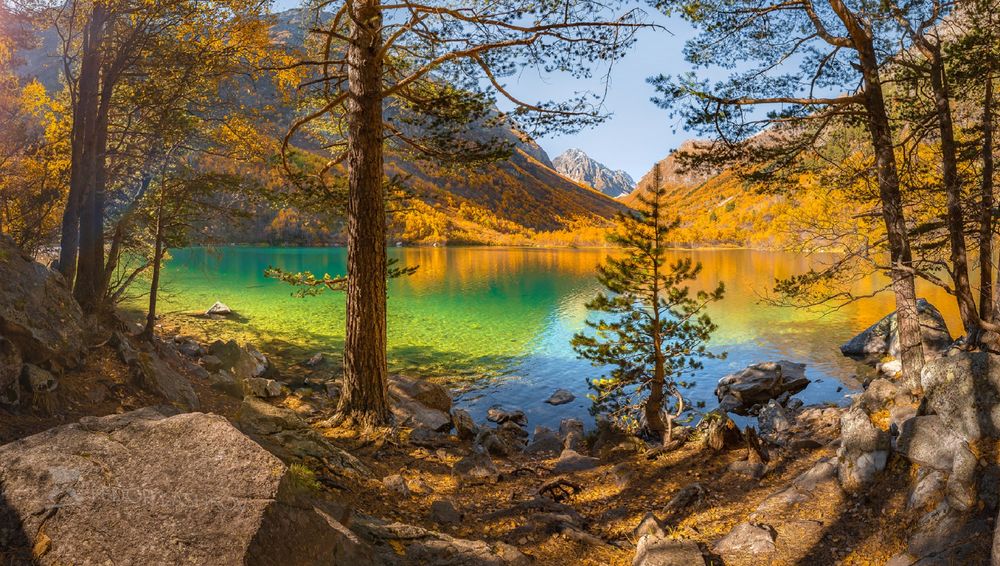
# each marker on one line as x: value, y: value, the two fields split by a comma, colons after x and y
x: 499, y: 320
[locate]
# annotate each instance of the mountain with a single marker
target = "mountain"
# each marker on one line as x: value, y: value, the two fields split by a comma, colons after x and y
x: 522, y: 200
x: 717, y: 208
x: 580, y: 167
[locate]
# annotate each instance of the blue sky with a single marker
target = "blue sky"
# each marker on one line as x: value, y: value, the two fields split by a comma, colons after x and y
x: 638, y: 132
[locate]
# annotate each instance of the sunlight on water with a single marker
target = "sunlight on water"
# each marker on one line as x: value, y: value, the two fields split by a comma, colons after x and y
x: 499, y: 320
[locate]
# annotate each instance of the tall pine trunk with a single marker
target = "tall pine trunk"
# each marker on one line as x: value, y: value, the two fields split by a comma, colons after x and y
x: 89, y: 291
x: 82, y: 140
x: 900, y: 255
x: 953, y: 194
x: 989, y: 304
x: 364, y: 396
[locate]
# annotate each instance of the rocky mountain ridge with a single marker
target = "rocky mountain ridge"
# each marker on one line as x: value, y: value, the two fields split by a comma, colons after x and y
x: 577, y: 165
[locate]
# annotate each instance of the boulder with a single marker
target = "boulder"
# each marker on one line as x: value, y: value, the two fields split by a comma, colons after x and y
x: 397, y: 485
x: 544, y: 441
x: 287, y: 436
x: 560, y: 397
x: 927, y: 441
x: 38, y: 314
x: 154, y: 368
x: 863, y: 452
x: 747, y: 539
x: 144, y: 488
x: 262, y: 387
x: 964, y: 390
x: 477, y: 468
x: 10, y: 373
x: 420, y: 403
x: 759, y: 383
x: 443, y: 512
x: 212, y: 363
x: 567, y: 426
x: 773, y: 420
x: 653, y: 550
x: 432, y: 395
x: 497, y: 414
x: 219, y: 309
x: 465, y: 428
x: 243, y: 362
x: 224, y: 381
x: 38, y: 380
x: 572, y: 461
x: 882, y: 338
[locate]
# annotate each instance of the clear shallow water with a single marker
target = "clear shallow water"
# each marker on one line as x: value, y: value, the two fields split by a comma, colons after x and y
x: 499, y: 320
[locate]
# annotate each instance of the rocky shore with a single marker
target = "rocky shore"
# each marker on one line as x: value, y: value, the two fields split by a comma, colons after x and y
x: 178, y: 450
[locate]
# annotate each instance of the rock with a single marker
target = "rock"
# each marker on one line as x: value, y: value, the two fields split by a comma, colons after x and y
x: 225, y: 382
x: 927, y: 441
x: 443, y: 512
x: 429, y: 394
x: 567, y: 426
x: 243, y: 362
x: 882, y: 338
x: 964, y: 390
x: 211, y: 363
x: 574, y: 441
x: 10, y: 373
x: 719, y: 431
x: 476, y: 468
x: 38, y: 314
x: 864, y: 450
x: 488, y: 441
x: 423, y: 436
x: 655, y: 550
x: 560, y: 397
x: 891, y: 369
x: 572, y: 461
x: 649, y: 525
x: 219, y: 309
x: 747, y: 539
x: 396, y: 484
x: 496, y: 414
x: 684, y: 498
x: 190, y: 348
x: 419, y: 403
x: 117, y: 486
x: 465, y: 428
x: 284, y: 434
x: 545, y: 441
x: 759, y: 383
x: 315, y: 361
x: 823, y: 471
x: 38, y: 380
x: 261, y: 387
x: 154, y: 370
x: 773, y: 420
x: 928, y: 491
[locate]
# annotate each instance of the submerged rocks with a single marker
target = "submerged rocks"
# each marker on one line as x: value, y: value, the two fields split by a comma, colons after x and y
x: 755, y: 385
x: 560, y: 397
x: 882, y: 338
x: 132, y: 486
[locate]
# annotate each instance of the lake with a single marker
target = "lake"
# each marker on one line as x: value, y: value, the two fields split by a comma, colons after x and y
x: 497, y: 321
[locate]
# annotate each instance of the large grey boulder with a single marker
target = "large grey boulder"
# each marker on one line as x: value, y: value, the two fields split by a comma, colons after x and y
x: 757, y: 384
x: 38, y: 314
x: 420, y: 403
x: 964, y: 390
x: 882, y: 338
x: 155, y: 369
x: 144, y: 488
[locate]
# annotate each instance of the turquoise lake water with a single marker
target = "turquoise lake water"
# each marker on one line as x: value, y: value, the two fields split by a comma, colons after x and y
x: 498, y: 321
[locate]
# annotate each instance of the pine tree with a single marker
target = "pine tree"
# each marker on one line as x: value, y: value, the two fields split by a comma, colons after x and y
x: 657, y: 331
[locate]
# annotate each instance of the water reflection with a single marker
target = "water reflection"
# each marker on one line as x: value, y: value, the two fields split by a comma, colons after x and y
x: 504, y: 317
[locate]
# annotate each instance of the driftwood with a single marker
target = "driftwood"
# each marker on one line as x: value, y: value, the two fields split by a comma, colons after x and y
x: 720, y: 431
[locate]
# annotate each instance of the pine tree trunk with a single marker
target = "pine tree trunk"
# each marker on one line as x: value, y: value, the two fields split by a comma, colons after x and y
x: 89, y: 290
x: 988, y: 303
x: 953, y: 192
x: 82, y: 136
x: 364, y: 395
x: 900, y: 256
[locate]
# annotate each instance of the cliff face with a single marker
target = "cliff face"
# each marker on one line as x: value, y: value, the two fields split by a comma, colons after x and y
x: 580, y: 167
